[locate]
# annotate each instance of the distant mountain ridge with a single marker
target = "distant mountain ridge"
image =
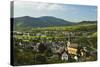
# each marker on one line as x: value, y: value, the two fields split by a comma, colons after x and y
x: 44, y: 21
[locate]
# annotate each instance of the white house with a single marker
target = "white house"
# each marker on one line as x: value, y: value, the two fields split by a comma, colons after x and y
x: 20, y: 44
x: 76, y: 58
x: 64, y: 56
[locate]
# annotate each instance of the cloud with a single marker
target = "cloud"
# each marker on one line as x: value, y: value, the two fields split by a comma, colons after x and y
x: 37, y: 5
x: 46, y: 7
x: 37, y: 9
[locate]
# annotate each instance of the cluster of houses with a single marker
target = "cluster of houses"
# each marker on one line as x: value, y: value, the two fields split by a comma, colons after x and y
x: 71, y: 51
x: 66, y: 50
x: 53, y: 33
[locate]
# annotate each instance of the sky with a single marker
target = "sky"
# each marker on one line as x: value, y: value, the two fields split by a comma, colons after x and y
x: 69, y: 12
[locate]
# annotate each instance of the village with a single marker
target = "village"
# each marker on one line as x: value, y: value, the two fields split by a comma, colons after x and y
x: 62, y: 45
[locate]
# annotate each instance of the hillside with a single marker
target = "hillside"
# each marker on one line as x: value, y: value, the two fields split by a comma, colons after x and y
x: 88, y: 22
x: 27, y: 22
x: 45, y: 21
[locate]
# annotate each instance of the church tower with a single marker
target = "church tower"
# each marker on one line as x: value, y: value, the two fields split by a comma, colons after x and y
x: 68, y: 42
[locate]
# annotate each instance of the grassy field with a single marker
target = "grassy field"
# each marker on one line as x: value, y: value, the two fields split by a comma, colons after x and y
x: 68, y: 28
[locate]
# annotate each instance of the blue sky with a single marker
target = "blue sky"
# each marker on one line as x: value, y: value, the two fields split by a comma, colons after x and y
x: 73, y: 13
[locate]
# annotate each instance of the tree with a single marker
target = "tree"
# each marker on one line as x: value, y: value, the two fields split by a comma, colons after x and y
x: 48, y: 52
x: 40, y: 59
x: 41, y: 48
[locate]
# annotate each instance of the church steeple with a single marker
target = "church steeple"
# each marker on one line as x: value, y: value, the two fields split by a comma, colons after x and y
x: 69, y: 37
x: 68, y: 42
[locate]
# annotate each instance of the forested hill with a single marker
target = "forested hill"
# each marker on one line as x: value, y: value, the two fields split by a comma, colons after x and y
x: 27, y: 22
x: 43, y: 21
